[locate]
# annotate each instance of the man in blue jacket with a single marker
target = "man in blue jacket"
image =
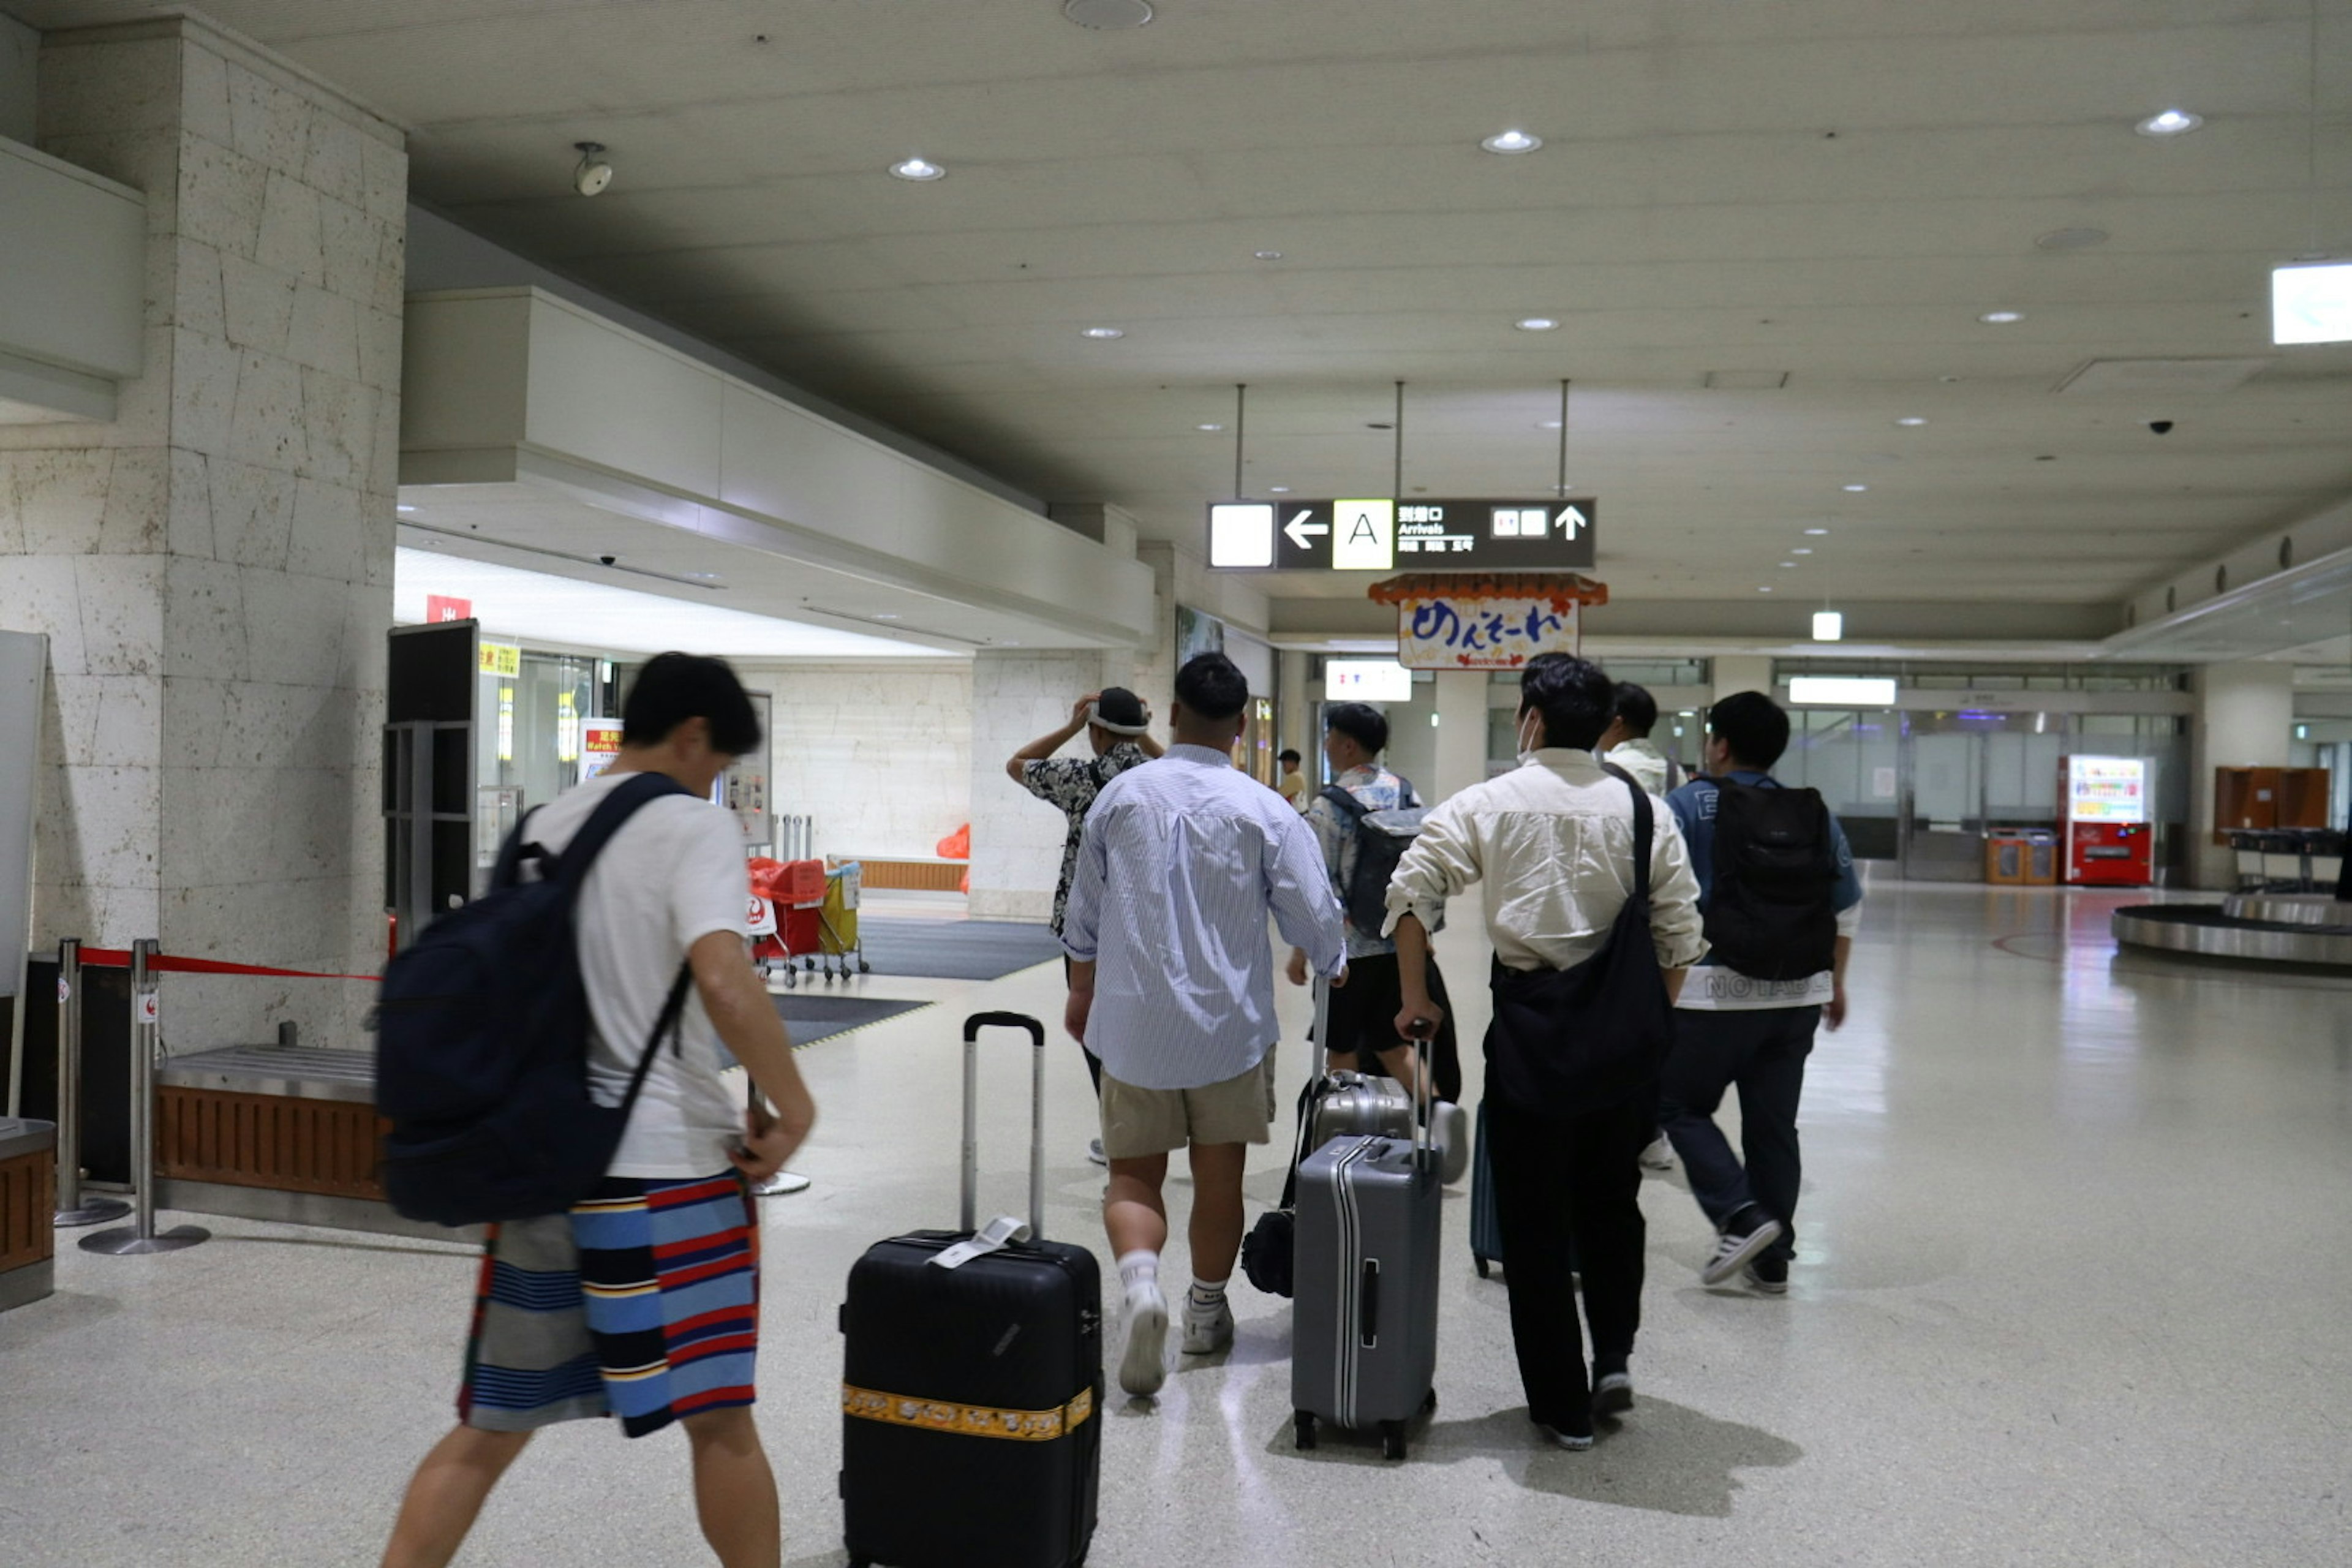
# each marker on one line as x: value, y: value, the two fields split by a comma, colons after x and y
x: 1734, y: 1029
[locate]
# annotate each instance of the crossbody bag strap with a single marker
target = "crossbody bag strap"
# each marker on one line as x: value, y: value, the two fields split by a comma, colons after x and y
x: 1644, y: 832
x: 671, y: 1022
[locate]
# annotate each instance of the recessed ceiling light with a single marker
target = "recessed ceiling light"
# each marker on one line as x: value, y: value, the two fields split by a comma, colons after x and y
x: 1278, y: 489
x: 1103, y: 334
x: 703, y: 576
x: 1106, y: 15
x: 405, y: 507
x: 1802, y: 550
x: 2000, y: 318
x: 1209, y: 428
x: 1511, y: 141
x: 886, y: 616
x: 1268, y: 254
x: 1856, y: 489
x: 1535, y: 323
x: 1910, y: 421
x: 1788, y: 563
x: 919, y: 170
x: 1816, y: 532
x: 1547, y: 424
x: 2171, y: 122
x: 1763, y: 588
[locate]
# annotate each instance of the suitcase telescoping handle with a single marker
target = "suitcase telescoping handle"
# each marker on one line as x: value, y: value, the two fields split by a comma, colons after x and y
x: 1036, y: 1032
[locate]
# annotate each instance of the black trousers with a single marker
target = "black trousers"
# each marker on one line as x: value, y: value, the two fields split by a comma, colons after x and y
x: 1567, y: 1192
x: 1762, y: 1052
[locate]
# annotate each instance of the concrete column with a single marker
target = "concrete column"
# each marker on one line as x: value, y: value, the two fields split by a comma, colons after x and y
x: 1461, y: 732
x: 1016, y: 838
x: 1742, y: 672
x: 215, y: 567
x: 2245, y: 719
x: 1294, y: 710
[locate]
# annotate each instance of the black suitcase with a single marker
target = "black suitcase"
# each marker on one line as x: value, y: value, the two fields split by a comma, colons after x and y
x: 971, y: 1394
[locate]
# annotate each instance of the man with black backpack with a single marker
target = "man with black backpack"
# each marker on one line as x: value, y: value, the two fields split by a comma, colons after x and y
x: 1594, y: 912
x: 640, y: 1300
x: 1364, y: 818
x: 1782, y: 902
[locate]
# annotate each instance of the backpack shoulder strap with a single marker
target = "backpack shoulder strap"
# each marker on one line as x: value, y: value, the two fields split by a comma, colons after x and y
x: 508, y: 869
x: 1340, y: 798
x: 605, y: 821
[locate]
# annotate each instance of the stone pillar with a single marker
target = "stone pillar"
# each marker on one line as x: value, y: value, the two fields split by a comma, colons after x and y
x: 1742, y: 672
x: 1295, y: 709
x: 1461, y: 732
x: 2245, y: 718
x: 215, y: 568
x: 1016, y: 838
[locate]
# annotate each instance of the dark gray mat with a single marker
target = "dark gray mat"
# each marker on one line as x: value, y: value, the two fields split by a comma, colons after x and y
x: 809, y: 1016
x: 954, y: 950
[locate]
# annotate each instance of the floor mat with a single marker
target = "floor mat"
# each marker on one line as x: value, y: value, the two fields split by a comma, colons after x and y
x: 817, y: 1017
x: 955, y: 949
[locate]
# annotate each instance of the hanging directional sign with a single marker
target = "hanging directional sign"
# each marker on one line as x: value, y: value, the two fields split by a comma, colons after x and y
x: 1385, y: 535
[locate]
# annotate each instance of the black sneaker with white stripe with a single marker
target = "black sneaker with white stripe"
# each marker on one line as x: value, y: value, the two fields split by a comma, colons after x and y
x: 1746, y: 1236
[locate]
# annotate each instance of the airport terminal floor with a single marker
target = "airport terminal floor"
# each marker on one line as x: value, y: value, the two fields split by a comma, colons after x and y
x: 2071, y: 1291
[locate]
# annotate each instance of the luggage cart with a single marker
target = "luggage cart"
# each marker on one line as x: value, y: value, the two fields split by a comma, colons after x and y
x: 795, y: 893
x: 841, y: 953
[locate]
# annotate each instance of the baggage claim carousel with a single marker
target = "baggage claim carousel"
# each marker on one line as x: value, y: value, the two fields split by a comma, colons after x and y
x: 2310, y: 929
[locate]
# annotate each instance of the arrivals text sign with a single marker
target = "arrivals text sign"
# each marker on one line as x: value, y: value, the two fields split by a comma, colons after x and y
x: 1381, y: 534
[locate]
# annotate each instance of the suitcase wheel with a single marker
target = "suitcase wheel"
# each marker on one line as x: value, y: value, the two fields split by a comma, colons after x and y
x: 1305, y: 1426
x: 1429, y: 1405
x: 1391, y: 1439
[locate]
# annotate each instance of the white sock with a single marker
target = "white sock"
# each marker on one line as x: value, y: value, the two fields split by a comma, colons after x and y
x: 1207, y: 1297
x: 1138, y: 1271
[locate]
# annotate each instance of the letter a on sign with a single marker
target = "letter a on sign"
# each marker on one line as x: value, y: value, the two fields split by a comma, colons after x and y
x: 1363, y: 535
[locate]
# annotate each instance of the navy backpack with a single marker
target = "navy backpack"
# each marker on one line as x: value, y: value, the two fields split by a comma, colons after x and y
x: 481, y: 1056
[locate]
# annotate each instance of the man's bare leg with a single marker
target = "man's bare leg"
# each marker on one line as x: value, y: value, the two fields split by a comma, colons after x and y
x: 1216, y: 1225
x: 446, y: 1494
x: 734, y: 1490
x: 1135, y: 1217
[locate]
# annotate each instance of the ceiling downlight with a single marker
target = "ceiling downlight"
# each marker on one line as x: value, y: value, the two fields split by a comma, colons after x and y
x: 1509, y: 143
x: 921, y: 170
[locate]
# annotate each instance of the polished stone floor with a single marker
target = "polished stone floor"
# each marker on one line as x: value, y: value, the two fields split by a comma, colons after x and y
x: 2076, y: 1292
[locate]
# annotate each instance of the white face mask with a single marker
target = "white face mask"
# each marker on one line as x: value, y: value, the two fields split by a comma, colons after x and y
x: 1530, y: 727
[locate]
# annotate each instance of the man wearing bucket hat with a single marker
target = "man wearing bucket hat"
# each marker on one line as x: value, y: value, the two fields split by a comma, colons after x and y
x: 1117, y: 724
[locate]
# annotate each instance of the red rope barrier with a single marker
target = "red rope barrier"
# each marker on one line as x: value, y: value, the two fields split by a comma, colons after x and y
x: 120, y: 958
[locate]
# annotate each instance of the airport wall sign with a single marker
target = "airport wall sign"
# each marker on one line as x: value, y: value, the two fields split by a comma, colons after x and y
x: 1381, y: 534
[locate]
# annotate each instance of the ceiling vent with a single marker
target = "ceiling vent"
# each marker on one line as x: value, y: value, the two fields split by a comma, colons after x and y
x: 1746, y: 380
x: 2162, y: 376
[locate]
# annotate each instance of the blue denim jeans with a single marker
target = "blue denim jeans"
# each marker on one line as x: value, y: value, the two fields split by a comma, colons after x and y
x: 1762, y: 1053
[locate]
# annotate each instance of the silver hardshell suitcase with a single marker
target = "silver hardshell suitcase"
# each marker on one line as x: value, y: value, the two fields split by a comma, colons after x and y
x: 1353, y: 1105
x: 1364, y: 1315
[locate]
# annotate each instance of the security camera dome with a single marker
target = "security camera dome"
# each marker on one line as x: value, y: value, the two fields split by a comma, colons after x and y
x: 593, y: 174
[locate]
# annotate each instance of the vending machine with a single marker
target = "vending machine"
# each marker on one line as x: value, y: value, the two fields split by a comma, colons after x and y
x: 2110, y: 835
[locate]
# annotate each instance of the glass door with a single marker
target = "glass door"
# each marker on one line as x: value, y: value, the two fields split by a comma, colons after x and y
x: 1965, y: 771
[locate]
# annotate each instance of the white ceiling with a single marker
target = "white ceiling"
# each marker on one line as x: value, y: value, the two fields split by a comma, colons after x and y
x: 1836, y: 189
x: 540, y: 608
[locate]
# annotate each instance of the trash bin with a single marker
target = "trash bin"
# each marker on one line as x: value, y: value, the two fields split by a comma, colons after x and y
x: 2041, y: 860
x: 2005, y: 859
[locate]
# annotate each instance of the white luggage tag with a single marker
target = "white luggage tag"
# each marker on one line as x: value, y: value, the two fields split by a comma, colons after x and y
x: 1000, y: 1233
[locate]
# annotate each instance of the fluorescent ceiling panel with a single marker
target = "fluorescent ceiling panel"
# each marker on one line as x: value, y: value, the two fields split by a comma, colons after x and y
x: 526, y: 606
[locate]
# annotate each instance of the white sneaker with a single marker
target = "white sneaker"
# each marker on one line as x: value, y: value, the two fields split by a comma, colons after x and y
x: 1207, y: 1334
x: 1734, y: 1250
x: 1143, y: 1368
x: 1659, y: 1155
x: 1095, y: 1153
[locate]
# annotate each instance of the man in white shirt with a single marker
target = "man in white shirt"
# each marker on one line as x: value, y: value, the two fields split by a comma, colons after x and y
x: 643, y: 1302
x: 1171, y: 984
x: 1627, y: 744
x: 1553, y: 843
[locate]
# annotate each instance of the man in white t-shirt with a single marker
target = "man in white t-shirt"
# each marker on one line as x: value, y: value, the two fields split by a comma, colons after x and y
x: 643, y: 1302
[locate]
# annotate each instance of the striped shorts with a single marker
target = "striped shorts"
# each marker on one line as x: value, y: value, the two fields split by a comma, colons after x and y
x: 642, y: 1303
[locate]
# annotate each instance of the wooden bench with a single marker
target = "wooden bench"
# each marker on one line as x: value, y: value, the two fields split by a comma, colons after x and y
x: 276, y: 1132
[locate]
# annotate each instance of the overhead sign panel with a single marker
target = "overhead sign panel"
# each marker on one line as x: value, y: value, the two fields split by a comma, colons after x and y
x: 1386, y: 535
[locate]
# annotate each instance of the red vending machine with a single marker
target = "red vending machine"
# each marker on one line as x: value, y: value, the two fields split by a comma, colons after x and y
x: 2110, y: 838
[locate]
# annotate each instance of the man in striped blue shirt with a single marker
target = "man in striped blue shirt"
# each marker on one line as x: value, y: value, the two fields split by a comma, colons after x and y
x: 1171, y: 984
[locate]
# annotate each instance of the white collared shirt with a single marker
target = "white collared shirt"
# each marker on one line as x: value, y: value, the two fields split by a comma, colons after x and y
x: 1552, y: 843
x: 1183, y: 859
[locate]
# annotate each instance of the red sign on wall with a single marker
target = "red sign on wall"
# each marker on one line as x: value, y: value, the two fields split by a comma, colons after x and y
x: 440, y: 607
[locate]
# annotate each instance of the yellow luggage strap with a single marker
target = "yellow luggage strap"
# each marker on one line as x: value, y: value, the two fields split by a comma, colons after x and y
x: 971, y: 1420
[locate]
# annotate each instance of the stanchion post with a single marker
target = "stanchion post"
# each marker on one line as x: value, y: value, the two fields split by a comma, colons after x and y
x: 73, y: 1208
x: 146, y: 1031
